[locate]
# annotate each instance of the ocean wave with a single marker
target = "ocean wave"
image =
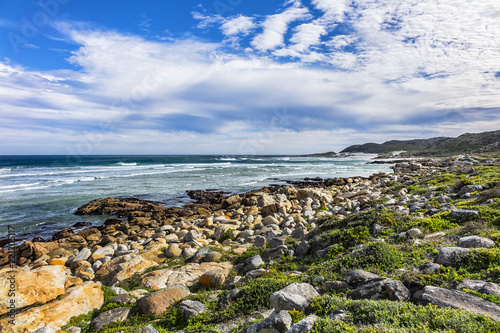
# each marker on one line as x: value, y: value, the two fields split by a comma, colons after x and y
x: 2, y: 170
x: 127, y: 164
x: 18, y: 185
x: 226, y: 159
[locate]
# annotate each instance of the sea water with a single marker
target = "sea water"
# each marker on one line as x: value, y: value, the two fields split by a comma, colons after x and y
x: 39, y: 194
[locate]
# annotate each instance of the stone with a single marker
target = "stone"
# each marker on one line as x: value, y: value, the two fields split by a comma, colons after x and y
x: 272, y: 254
x: 414, y: 233
x: 429, y: 267
x: 337, y: 315
x: 304, y: 326
x: 148, y: 329
x: 191, y: 309
x: 213, y: 279
x: 277, y: 322
x: 76, y: 301
x: 39, y: 285
x: 188, y: 274
x: 44, y: 330
x: 213, y: 256
x: 121, y: 268
x: 475, y: 242
x: 158, y: 302
x: 483, y: 287
x: 277, y: 242
x: 122, y: 299
x: 302, y: 249
x: 359, y: 276
x: 299, y: 233
x: 101, y: 253
x: 230, y: 298
x: 397, y: 291
x: 337, y: 286
x: 250, y: 264
x: 109, y: 317
x: 84, y: 254
x: 74, y: 329
x: 199, y: 256
x: 463, y: 214
x: 459, y: 300
x: 372, y: 289
x: 294, y: 296
x: 118, y: 290
x: 469, y: 189
x: 191, y: 235
x: 256, y: 273
x: 173, y: 250
x: 448, y: 256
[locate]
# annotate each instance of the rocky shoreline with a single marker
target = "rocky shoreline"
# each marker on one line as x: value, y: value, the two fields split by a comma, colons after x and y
x: 288, y: 258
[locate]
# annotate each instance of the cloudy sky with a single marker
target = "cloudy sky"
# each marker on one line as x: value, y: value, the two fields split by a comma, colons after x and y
x: 243, y: 76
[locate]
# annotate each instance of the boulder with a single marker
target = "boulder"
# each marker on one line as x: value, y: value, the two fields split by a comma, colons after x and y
x: 359, y: 276
x: 214, y: 279
x: 469, y: 189
x: 396, y: 291
x: 450, y: 256
x: 295, y: 296
x: 459, y: 300
x: 483, y: 287
x: 250, y: 264
x: 304, y: 326
x: 122, y: 299
x: 191, y: 309
x: 76, y: 301
x: 372, y: 289
x: 109, y: 317
x: 187, y: 275
x: 121, y: 268
x: 462, y: 214
x: 277, y: 322
x: 158, y: 302
x: 173, y: 250
x: 272, y: 254
x: 148, y: 329
x: 475, y: 242
x: 39, y: 285
x: 302, y: 249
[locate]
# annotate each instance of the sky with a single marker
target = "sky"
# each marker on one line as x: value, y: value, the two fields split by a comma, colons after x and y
x: 243, y: 76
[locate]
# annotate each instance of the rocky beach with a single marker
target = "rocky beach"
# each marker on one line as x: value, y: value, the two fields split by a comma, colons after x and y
x: 414, y: 250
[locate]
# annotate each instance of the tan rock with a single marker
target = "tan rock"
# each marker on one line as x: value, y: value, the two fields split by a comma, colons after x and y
x: 39, y: 285
x: 76, y: 301
x: 122, y: 268
x: 173, y: 250
x: 187, y: 275
x: 58, y: 261
x: 213, y: 279
x: 158, y: 302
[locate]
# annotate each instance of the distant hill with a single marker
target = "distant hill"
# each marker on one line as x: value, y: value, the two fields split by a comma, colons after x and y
x: 465, y: 143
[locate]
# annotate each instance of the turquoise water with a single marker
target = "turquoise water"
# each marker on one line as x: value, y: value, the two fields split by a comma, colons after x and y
x: 38, y: 194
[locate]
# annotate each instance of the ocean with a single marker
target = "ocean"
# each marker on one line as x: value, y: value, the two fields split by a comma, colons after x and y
x: 39, y: 194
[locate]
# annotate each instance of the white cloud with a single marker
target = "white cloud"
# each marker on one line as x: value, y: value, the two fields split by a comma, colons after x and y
x: 275, y: 26
x: 239, y: 25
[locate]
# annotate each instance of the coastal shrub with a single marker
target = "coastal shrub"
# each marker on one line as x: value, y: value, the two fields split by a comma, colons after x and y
x: 437, y: 222
x: 387, y: 316
x: 108, y: 293
x: 377, y: 257
x: 296, y: 316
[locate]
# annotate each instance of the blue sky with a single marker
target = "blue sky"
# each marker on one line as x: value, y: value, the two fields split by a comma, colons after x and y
x: 241, y: 76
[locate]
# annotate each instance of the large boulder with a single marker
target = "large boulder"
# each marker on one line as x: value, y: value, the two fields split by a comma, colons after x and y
x: 158, y: 302
x: 463, y: 214
x: 372, y: 289
x: 294, y: 296
x: 359, y: 276
x: 76, y: 301
x: 459, y: 300
x: 187, y: 275
x: 39, y: 285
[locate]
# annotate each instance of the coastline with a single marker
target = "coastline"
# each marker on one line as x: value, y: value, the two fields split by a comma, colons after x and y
x: 211, y: 240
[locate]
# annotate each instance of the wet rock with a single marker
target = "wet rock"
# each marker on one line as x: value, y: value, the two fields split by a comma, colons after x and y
x: 459, y: 300
x: 295, y: 296
x: 475, y: 242
x: 158, y: 302
x: 109, y: 317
